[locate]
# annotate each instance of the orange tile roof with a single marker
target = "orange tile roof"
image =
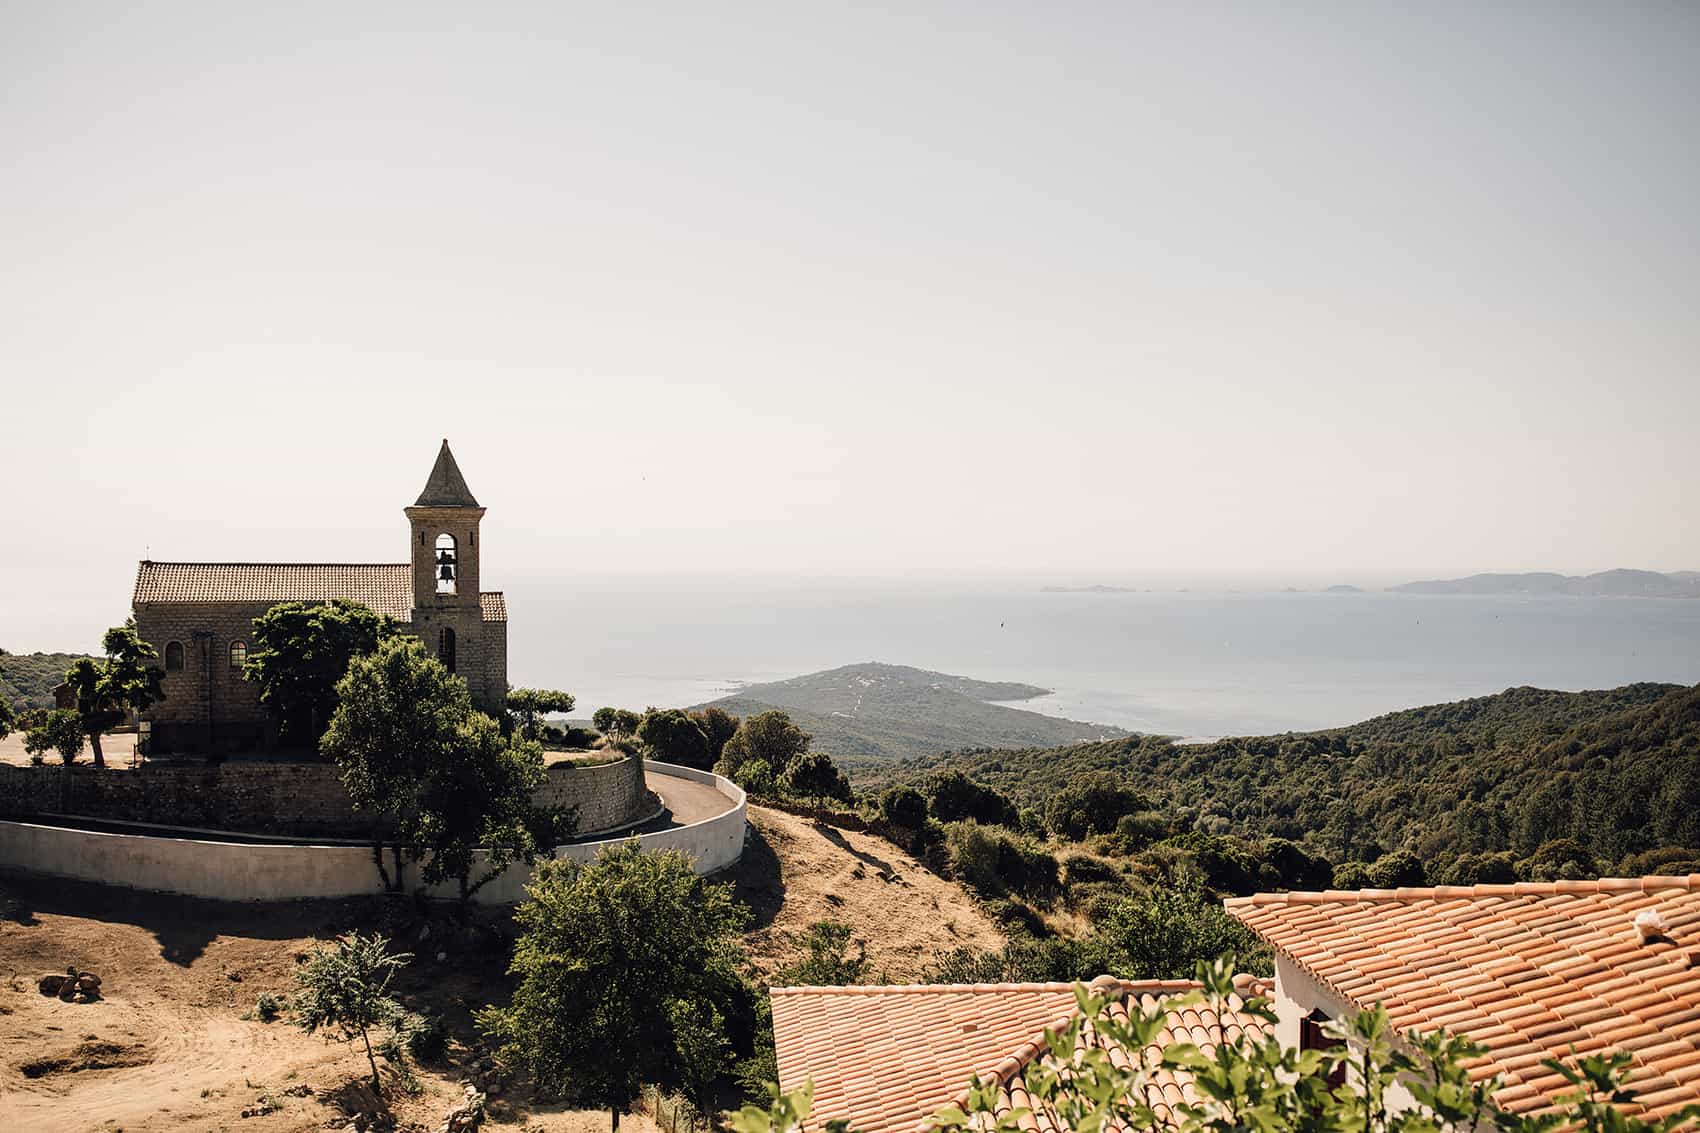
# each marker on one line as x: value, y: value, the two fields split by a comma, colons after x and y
x: 1529, y: 970
x: 385, y: 587
x: 888, y: 1058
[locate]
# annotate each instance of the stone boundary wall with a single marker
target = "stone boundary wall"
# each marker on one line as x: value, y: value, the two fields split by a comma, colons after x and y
x: 230, y: 871
x: 280, y: 798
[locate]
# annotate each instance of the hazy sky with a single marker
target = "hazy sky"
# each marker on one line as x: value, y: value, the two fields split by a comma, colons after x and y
x: 1080, y: 290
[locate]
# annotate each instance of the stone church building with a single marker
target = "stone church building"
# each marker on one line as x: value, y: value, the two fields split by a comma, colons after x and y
x: 200, y: 617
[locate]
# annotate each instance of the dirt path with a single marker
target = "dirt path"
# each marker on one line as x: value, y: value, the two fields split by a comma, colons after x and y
x: 795, y: 873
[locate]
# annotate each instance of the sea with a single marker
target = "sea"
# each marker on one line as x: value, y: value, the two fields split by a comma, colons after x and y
x: 1191, y: 663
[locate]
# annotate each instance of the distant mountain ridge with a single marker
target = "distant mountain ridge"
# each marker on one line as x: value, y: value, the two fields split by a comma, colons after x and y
x: 1604, y: 584
x: 873, y: 713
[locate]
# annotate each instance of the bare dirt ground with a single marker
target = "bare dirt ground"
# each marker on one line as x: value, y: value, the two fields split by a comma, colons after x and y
x: 795, y: 873
x: 167, y: 1047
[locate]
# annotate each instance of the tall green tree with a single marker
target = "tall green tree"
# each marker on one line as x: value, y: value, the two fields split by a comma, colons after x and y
x: 718, y: 725
x: 301, y: 650
x: 813, y: 776
x: 478, y: 798
x: 528, y: 706
x: 110, y: 689
x: 345, y: 990
x: 671, y: 736
x: 606, y: 955
x: 769, y: 737
x: 616, y: 721
x: 412, y: 750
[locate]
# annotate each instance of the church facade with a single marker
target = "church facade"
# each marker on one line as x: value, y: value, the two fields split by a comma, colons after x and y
x: 200, y: 617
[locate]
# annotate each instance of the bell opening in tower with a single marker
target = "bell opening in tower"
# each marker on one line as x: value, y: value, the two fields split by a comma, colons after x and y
x: 447, y: 565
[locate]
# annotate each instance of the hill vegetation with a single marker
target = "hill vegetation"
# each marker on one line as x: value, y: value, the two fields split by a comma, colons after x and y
x: 27, y: 680
x: 873, y: 713
x: 1611, y: 777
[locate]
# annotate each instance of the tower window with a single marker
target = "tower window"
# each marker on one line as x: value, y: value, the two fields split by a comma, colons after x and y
x: 446, y: 648
x: 238, y: 654
x: 448, y: 565
x: 173, y: 656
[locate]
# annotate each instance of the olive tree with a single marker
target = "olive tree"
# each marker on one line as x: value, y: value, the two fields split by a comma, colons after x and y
x: 528, y: 706
x: 111, y: 688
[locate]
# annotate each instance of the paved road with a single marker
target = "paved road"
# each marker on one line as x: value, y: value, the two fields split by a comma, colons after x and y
x: 688, y: 801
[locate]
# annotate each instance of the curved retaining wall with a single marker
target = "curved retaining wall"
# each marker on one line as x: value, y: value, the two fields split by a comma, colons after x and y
x: 229, y: 871
x: 258, y: 797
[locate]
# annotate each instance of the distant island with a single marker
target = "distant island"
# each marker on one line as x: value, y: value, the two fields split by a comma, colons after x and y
x: 1087, y: 590
x: 874, y: 713
x: 1605, y: 584
x: 1344, y: 588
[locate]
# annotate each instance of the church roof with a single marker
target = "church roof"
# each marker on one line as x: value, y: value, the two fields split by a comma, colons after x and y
x: 446, y: 487
x: 385, y: 587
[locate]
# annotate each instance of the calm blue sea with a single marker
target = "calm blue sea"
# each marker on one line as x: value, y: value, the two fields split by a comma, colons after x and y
x: 1190, y: 664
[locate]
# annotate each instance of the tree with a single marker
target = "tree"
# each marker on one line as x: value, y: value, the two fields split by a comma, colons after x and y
x: 768, y: 736
x: 301, y: 650
x: 607, y: 951
x: 699, y: 1042
x: 1166, y: 932
x: 905, y: 807
x: 616, y: 721
x: 1092, y: 804
x: 718, y: 725
x: 813, y: 775
x: 60, y: 730
x: 109, y: 689
x: 1396, y: 871
x: 477, y: 798
x: 345, y: 988
x: 410, y: 748
x: 673, y: 737
x: 528, y: 706
x: 952, y: 797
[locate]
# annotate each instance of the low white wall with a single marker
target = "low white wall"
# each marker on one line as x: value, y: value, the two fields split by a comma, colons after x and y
x: 230, y: 871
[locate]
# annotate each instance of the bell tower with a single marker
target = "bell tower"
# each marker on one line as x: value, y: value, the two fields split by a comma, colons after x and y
x: 444, y: 519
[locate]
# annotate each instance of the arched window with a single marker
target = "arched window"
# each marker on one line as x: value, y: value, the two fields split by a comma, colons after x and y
x: 173, y: 656
x: 238, y: 654
x: 447, y: 564
x: 446, y: 648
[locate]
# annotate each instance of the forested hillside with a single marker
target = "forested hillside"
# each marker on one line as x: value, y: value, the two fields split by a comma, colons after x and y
x: 1617, y: 771
x: 27, y: 679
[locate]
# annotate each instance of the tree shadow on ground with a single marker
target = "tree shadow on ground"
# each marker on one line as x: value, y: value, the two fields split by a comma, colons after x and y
x: 836, y: 837
x: 183, y: 926
x: 757, y: 878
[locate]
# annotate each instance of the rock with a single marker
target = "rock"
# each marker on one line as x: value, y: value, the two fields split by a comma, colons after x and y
x: 50, y: 984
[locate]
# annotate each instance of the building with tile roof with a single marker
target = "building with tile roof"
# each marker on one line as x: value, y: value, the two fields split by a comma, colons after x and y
x: 200, y: 617
x: 1532, y: 971
x: 888, y: 1058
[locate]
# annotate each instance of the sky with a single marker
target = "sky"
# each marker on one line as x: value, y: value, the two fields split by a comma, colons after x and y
x: 1080, y: 292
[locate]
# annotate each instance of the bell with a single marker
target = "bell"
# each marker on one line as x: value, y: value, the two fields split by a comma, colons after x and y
x: 446, y: 572
x: 445, y: 556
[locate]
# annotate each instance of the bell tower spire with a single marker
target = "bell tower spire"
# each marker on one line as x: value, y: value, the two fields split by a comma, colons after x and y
x: 444, y: 521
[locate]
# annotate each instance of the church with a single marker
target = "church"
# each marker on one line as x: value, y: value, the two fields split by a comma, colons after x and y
x: 200, y: 618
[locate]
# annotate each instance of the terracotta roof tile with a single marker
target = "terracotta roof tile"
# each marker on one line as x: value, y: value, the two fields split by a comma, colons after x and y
x: 385, y: 587
x: 1529, y: 970
x: 888, y: 1058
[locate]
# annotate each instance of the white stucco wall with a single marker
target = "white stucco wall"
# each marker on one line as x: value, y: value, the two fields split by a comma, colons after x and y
x: 1297, y: 994
x: 229, y: 871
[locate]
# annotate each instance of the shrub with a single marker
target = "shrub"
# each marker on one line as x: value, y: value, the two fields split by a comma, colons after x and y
x: 953, y: 797
x: 1396, y: 871
x: 426, y: 1036
x: 268, y: 1007
x: 905, y: 807
x: 1092, y: 804
x: 1351, y: 875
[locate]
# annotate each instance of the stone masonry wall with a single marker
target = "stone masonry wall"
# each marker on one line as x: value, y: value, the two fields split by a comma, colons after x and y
x: 304, y: 799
